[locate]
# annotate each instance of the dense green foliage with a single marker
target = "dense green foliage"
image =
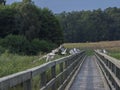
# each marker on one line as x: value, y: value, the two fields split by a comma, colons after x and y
x: 27, y: 29
x: 90, y: 26
x: 21, y: 45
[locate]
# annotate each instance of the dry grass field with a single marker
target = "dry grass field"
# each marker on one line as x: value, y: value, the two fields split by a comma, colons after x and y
x: 94, y: 45
x: 113, y: 47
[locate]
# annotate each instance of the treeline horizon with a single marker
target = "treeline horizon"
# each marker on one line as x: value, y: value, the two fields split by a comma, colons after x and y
x: 91, y: 25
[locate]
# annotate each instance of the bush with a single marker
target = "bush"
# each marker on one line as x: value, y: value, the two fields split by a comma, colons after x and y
x: 2, y: 50
x: 46, y: 46
x: 20, y: 45
x: 42, y: 45
x: 35, y: 46
x: 16, y: 44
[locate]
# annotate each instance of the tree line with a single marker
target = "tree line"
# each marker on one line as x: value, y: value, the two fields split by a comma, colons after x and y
x: 28, y: 29
x: 91, y: 26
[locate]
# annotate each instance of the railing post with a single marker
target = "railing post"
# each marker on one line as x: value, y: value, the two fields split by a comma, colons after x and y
x: 53, y: 73
x: 69, y: 63
x: 61, y: 70
x: 66, y: 65
x: 28, y: 85
x: 43, y: 79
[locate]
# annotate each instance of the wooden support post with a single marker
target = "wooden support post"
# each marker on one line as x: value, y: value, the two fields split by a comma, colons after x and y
x: 43, y: 79
x: 66, y: 65
x: 27, y: 85
x: 61, y: 70
x: 53, y: 73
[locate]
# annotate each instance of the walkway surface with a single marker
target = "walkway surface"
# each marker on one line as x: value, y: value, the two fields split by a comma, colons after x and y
x: 89, y: 77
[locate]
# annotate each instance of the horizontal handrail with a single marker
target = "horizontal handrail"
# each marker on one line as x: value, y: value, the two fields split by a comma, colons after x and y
x: 67, y: 65
x: 111, y: 69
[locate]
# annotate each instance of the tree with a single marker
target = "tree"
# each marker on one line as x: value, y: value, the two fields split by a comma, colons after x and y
x: 91, y: 26
x: 7, y: 20
x: 27, y: 1
x: 2, y: 2
x: 50, y: 27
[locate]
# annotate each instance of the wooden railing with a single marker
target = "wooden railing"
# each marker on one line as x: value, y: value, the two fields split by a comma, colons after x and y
x: 111, y: 70
x: 61, y: 71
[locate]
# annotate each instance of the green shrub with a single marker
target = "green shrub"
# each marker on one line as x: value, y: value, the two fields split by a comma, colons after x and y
x: 42, y: 45
x: 35, y: 46
x: 47, y: 46
x: 2, y: 50
x: 20, y: 45
x: 16, y: 44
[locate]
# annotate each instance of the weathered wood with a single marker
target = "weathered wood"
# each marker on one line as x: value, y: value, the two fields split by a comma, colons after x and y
x: 25, y: 77
x: 53, y: 73
x: 111, y: 68
x: 61, y: 70
x: 15, y: 79
x: 27, y: 85
x: 43, y: 79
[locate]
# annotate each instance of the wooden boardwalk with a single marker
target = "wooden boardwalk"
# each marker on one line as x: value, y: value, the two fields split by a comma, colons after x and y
x: 77, y: 72
x: 89, y: 76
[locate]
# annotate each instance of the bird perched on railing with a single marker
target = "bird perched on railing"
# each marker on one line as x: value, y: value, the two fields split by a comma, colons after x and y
x: 104, y: 51
x: 74, y: 51
x: 50, y: 56
x: 71, y: 52
x: 64, y: 52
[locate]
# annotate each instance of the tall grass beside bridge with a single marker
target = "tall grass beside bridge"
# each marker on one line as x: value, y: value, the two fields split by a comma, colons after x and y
x: 12, y: 63
x: 114, y: 52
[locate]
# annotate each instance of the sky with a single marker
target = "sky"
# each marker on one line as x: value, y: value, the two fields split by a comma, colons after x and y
x: 58, y: 6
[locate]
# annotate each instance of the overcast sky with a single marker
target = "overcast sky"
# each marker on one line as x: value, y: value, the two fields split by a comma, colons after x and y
x: 58, y: 6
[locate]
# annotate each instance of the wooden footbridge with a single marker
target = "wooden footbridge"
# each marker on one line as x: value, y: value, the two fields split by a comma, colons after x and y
x: 74, y: 72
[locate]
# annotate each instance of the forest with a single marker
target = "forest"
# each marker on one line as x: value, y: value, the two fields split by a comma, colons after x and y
x: 91, y: 26
x: 28, y: 29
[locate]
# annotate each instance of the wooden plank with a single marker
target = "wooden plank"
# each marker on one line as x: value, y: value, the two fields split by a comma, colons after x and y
x: 111, y: 73
x: 14, y: 79
x: 42, y: 68
x: 28, y: 85
x: 43, y: 79
x: 111, y: 59
x: 53, y: 73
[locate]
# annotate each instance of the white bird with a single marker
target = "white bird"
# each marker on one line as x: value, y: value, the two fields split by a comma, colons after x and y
x: 54, y: 51
x: 104, y: 51
x: 75, y: 50
x: 78, y: 50
x: 71, y: 52
x: 50, y: 56
x: 64, y: 51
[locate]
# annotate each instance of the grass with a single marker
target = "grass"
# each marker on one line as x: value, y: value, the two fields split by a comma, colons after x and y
x: 12, y: 63
x: 116, y: 55
x: 114, y: 52
x: 93, y: 45
x: 113, y: 47
x: 89, y: 52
